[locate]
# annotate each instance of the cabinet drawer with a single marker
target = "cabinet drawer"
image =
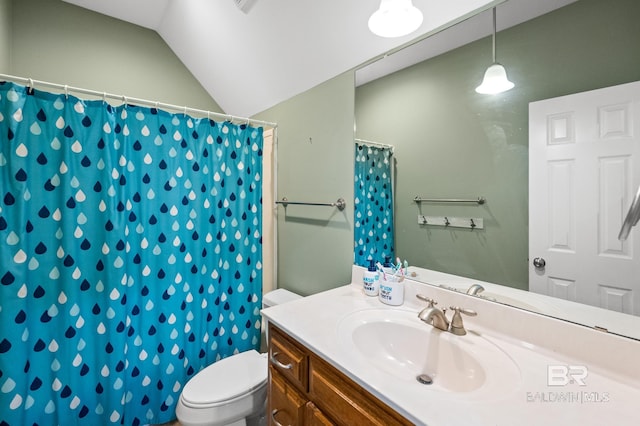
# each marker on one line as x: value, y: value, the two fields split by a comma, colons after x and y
x: 315, y: 417
x: 345, y: 401
x: 288, y: 358
x: 286, y: 404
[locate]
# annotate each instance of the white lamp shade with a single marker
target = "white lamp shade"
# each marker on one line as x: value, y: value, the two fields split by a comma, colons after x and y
x: 495, y: 81
x: 395, y: 18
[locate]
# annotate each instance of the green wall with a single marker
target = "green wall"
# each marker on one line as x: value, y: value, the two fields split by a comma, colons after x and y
x: 454, y: 143
x: 54, y: 41
x: 5, y: 35
x: 315, y: 164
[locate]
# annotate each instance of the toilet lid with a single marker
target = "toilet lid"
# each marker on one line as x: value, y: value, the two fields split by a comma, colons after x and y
x: 227, y: 379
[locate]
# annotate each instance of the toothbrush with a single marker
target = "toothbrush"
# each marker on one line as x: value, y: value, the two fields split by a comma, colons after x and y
x: 398, y: 266
x: 381, y: 269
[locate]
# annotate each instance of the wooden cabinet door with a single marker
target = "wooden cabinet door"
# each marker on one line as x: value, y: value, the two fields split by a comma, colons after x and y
x: 345, y: 401
x: 286, y: 406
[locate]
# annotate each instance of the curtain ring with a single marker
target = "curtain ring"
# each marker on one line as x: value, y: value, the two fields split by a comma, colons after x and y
x: 30, y: 91
x: 124, y: 101
x: 184, y: 114
x: 104, y: 97
x: 66, y: 91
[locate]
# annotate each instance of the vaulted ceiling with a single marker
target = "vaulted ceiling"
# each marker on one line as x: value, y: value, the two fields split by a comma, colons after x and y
x: 251, y: 60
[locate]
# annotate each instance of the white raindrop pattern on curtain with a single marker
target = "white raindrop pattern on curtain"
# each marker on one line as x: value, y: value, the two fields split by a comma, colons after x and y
x: 130, y: 247
x: 373, y: 205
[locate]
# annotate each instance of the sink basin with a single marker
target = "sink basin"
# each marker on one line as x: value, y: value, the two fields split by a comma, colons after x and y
x: 396, y: 343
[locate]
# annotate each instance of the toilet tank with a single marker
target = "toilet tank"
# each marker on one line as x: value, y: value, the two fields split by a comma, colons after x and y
x: 272, y: 298
x: 278, y: 296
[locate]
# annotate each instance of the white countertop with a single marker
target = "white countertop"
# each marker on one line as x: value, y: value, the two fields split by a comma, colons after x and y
x: 610, y: 394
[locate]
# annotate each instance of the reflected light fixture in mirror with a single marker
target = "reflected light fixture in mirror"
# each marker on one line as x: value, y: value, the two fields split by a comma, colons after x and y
x: 495, y: 77
x: 395, y: 18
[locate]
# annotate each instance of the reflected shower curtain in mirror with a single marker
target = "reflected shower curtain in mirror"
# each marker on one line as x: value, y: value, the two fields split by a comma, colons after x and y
x: 130, y: 247
x: 373, y: 193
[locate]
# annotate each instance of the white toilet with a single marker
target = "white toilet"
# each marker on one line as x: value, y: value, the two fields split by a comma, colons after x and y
x: 232, y: 391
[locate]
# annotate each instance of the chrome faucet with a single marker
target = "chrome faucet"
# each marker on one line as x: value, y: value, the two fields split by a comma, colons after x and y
x: 435, y: 317
x: 475, y: 289
x: 438, y: 318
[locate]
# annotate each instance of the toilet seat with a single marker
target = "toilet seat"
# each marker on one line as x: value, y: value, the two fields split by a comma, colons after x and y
x: 227, y: 380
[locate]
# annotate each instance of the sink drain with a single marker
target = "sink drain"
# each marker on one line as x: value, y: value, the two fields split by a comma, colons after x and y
x: 424, y: 379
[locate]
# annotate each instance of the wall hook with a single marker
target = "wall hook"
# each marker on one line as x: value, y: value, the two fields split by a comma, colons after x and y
x: 452, y: 222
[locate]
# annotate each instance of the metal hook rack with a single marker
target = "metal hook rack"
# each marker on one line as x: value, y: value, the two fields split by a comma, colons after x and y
x: 340, y: 203
x: 452, y: 222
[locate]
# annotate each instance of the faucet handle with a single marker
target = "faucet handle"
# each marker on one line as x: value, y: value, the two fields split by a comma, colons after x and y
x: 458, y: 310
x: 430, y: 302
x: 457, y: 326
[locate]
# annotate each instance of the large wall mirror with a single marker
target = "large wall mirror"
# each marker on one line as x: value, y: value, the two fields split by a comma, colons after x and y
x: 451, y: 142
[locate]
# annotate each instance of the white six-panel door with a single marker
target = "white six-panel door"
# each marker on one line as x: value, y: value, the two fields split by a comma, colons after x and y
x: 584, y: 168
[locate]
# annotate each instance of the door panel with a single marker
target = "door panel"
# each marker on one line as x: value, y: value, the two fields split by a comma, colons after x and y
x: 584, y: 168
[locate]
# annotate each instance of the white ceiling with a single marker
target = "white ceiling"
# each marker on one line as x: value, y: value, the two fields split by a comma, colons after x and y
x: 249, y: 62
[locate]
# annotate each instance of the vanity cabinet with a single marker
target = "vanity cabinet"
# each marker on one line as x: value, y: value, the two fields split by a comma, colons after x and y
x: 304, y: 390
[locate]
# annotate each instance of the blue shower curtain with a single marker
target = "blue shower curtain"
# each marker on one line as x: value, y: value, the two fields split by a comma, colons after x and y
x: 373, y: 191
x: 130, y: 256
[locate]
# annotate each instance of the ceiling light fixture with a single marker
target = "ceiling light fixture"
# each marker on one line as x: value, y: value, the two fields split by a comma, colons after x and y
x: 395, y: 18
x: 495, y: 77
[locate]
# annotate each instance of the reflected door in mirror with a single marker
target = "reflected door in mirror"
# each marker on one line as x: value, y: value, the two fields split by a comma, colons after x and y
x: 584, y: 163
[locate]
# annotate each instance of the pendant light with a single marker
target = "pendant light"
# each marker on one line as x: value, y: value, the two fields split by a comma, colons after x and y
x: 495, y: 77
x: 395, y: 18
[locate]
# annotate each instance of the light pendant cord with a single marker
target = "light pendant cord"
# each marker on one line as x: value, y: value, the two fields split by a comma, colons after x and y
x: 494, y: 35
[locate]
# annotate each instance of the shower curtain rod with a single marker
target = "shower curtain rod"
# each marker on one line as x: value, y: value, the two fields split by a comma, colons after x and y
x: 30, y: 82
x: 382, y: 145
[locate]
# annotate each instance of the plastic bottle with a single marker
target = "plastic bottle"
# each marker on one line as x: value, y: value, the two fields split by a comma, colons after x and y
x: 370, y: 279
x: 387, y: 262
x: 387, y: 266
